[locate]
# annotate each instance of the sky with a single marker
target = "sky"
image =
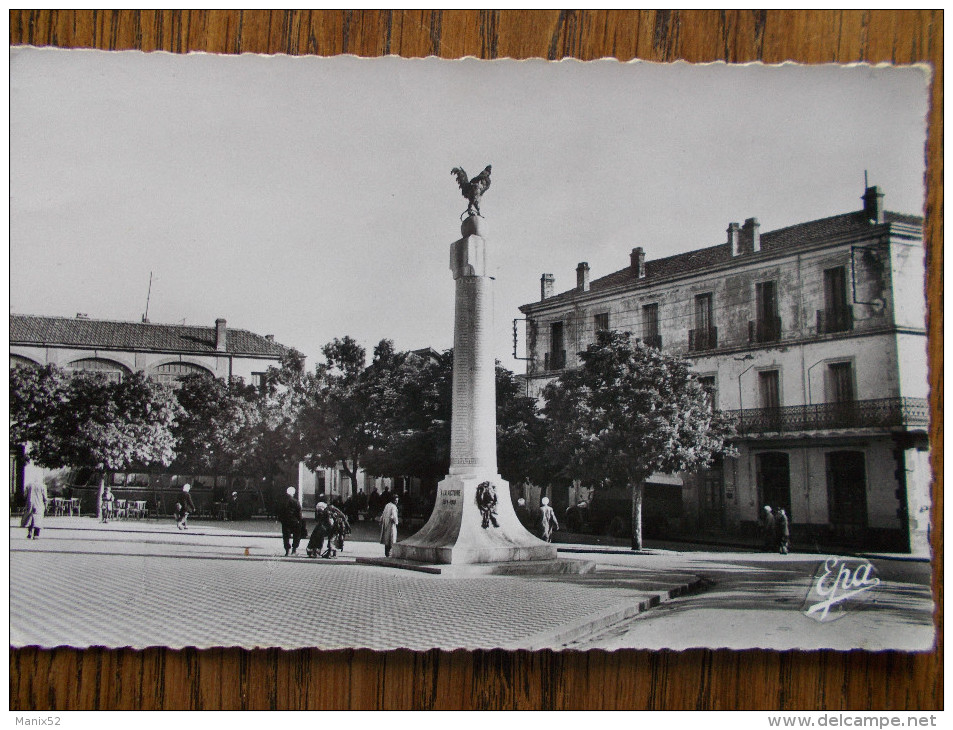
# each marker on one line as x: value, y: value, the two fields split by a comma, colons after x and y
x: 311, y: 198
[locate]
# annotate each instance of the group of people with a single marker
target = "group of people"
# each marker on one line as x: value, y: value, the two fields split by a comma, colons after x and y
x: 331, y: 526
x: 776, y: 530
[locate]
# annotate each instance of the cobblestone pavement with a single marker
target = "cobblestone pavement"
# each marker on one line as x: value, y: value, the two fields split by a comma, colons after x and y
x: 146, y: 583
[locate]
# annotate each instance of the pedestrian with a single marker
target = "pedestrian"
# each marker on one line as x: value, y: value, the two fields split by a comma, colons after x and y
x: 389, y: 519
x: 34, y: 510
x: 522, y: 512
x: 341, y: 527
x: 547, y: 520
x: 292, y: 523
x: 784, y: 533
x: 231, y: 513
x: 769, y: 529
x: 323, y: 527
x: 184, y: 506
x: 108, y: 501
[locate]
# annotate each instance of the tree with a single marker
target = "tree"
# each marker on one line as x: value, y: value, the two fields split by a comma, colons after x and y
x: 211, y: 433
x: 84, y: 420
x: 270, y: 440
x: 412, y: 397
x: 415, y: 400
x: 35, y: 394
x: 630, y: 411
x: 520, y: 430
x: 337, y: 421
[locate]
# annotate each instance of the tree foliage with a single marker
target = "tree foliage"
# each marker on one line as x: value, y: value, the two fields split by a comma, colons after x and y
x: 630, y: 411
x: 35, y: 394
x: 217, y: 420
x: 85, y: 420
x: 416, y: 398
x: 337, y: 419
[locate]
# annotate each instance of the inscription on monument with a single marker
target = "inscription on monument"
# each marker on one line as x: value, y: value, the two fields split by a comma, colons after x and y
x: 449, y: 497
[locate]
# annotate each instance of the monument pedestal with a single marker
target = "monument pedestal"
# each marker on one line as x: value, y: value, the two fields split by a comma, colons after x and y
x: 454, y: 534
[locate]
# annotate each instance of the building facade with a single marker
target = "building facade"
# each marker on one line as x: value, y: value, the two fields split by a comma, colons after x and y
x: 164, y: 352
x: 814, y: 337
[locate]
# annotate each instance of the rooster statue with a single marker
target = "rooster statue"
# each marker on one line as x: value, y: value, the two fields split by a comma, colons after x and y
x: 472, y: 189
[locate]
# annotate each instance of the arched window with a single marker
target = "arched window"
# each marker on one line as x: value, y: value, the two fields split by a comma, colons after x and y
x: 111, y: 369
x: 20, y: 361
x: 172, y: 372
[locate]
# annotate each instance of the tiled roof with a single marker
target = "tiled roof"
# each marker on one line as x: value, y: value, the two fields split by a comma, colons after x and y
x: 98, y: 333
x: 771, y: 242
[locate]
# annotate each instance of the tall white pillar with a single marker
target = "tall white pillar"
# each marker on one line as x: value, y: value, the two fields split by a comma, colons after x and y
x: 458, y: 531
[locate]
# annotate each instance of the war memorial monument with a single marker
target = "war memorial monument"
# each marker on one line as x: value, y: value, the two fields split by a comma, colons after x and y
x: 473, y: 521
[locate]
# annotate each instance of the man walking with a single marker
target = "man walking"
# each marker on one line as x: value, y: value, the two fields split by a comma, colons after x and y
x: 292, y: 523
x: 784, y: 533
x: 34, y: 511
x: 184, y: 507
x: 389, y: 519
x: 768, y: 529
x: 547, y: 520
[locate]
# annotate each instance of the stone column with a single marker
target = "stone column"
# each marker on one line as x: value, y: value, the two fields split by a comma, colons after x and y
x: 455, y: 532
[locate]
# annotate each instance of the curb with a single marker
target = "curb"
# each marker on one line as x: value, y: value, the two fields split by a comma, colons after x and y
x: 557, y: 638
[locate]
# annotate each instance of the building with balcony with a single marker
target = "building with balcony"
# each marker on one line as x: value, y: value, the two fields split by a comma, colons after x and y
x: 814, y: 337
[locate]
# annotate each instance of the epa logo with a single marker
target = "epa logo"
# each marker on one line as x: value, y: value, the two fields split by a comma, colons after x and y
x: 838, y: 584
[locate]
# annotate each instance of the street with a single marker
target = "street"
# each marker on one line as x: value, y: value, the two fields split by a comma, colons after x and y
x: 144, y: 583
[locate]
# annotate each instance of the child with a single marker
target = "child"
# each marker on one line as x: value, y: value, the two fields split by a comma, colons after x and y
x: 107, y: 504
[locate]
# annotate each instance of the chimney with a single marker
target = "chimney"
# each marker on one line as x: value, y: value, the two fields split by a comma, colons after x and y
x: 221, y: 335
x: 751, y: 233
x: 637, y: 259
x: 734, y: 236
x: 582, y: 276
x: 270, y: 338
x: 874, y: 204
x: 546, y: 283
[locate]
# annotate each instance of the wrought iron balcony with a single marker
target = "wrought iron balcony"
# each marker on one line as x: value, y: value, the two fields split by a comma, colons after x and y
x: 834, y: 320
x: 703, y: 339
x: 887, y: 413
x: 555, y: 360
x: 764, y: 330
x: 652, y: 341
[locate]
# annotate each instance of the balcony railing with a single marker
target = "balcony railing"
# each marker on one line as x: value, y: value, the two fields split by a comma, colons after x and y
x: 652, y: 341
x: 910, y: 413
x: 703, y: 339
x: 555, y: 360
x: 834, y: 320
x: 764, y: 330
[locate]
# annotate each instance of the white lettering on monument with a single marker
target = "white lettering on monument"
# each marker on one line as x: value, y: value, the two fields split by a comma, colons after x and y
x: 449, y: 497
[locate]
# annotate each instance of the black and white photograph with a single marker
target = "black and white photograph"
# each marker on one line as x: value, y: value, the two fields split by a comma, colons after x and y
x: 352, y: 353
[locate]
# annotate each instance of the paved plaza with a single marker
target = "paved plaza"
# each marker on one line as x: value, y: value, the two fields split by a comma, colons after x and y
x: 144, y: 583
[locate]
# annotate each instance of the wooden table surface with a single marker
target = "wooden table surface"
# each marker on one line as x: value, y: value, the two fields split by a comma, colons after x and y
x: 309, y: 679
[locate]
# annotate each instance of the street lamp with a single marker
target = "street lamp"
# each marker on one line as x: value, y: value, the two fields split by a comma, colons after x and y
x: 741, y: 404
x: 809, y: 400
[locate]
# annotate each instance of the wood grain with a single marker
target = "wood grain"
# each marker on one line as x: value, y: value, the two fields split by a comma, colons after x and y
x: 308, y: 679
